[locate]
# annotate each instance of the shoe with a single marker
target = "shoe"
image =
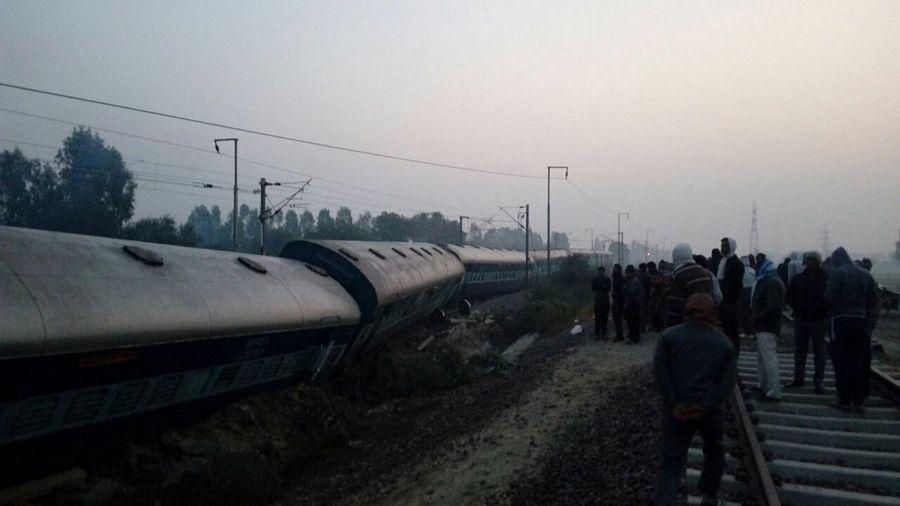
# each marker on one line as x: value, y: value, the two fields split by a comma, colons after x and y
x: 843, y: 406
x: 859, y: 408
x: 794, y: 384
x: 755, y: 388
x: 820, y: 389
x: 769, y: 398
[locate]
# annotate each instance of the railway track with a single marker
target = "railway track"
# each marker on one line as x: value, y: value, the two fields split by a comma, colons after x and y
x: 809, y: 452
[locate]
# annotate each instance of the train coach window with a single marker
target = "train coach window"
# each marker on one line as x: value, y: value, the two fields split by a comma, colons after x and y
x: 414, y: 250
x: 144, y: 255
x: 399, y: 252
x: 349, y: 255
x: 252, y: 265
x: 376, y: 253
x: 318, y: 270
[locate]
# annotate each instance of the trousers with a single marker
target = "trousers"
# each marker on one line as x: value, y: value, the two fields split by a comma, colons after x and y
x: 767, y: 362
x: 617, y: 321
x: 633, y: 320
x: 851, y: 355
x: 730, y: 325
x: 804, y: 332
x: 677, y: 436
x: 601, y: 318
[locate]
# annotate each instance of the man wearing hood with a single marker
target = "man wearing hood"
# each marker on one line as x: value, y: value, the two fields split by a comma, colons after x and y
x: 730, y: 276
x: 852, y: 298
x: 767, y: 302
x: 806, y: 296
x: 688, y: 278
x: 795, y: 266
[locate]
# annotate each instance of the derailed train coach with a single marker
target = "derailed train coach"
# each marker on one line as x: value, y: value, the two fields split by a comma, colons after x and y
x: 394, y: 283
x: 93, y: 329
x: 489, y: 271
x: 538, y: 260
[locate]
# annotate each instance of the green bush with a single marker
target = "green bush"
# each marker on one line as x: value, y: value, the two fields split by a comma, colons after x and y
x: 552, y: 304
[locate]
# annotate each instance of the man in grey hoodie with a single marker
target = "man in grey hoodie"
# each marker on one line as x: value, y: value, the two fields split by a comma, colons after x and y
x: 852, y: 298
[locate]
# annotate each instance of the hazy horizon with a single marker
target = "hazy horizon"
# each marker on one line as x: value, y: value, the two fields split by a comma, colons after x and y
x: 682, y: 114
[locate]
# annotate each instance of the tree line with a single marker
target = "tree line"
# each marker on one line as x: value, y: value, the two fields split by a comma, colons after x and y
x: 88, y: 189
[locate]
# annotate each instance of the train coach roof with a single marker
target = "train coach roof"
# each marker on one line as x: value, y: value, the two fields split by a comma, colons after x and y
x: 394, y: 269
x: 63, y: 293
x: 555, y: 254
x: 476, y: 255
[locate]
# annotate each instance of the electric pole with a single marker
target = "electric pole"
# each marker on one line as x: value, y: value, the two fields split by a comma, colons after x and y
x: 619, y: 235
x: 548, y: 210
x: 234, y: 213
x: 826, y: 243
x: 647, y: 244
x: 263, y: 213
x: 527, y: 247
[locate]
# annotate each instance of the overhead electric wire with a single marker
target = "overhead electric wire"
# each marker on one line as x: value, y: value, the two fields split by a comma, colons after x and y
x: 225, y: 152
x: 267, y: 134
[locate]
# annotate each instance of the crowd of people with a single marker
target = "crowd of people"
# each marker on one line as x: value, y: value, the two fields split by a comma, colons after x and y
x: 704, y: 306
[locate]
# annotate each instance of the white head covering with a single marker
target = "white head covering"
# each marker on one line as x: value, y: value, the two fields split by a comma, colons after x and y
x: 732, y: 246
x: 682, y: 254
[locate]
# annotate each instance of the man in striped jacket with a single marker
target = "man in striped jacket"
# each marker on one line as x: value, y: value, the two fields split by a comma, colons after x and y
x: 688, y: 278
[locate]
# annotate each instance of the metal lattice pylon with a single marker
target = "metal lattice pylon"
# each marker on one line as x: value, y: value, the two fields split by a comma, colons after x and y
x: 754, y: 233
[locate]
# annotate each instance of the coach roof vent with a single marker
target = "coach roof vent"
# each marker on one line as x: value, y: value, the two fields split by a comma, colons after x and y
x: 377, y: 253
x: 349, y: 255
x: 397, y: 251
x: 144, y: 255
x: 252, y: 265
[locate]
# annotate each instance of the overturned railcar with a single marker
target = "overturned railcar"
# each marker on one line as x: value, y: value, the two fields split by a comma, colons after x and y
x: 93, y: 328
x: 394, y: 283
x: 489, y: 271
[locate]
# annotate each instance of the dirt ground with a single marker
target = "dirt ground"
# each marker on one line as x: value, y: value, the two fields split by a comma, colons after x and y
x: 512, y: 447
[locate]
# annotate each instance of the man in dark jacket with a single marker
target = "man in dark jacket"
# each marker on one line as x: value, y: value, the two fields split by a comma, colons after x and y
x: 806, y: 296
x: 634, y: 303
x: 784, y: 269
x: 730, y: 274
x: 767, y: 302
x: 715, y: 256
x: 618, y: 300
x: 688, y: 278
x: 852, y: 298
x: 694, y: 366
x: 601, y: 285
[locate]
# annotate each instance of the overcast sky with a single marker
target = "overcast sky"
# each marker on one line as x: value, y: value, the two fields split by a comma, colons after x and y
x: 680, y: 113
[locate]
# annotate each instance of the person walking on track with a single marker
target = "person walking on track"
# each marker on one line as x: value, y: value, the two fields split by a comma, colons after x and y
x: 695, y: 369
x: 601, y: 285
x: 852, y: 298
x: 730, y: 275
x: 806, y: 296
x: 767, y: 302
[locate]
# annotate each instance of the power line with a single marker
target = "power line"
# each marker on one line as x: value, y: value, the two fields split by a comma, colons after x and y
x: 268, y: 134
x: 243, y: 159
